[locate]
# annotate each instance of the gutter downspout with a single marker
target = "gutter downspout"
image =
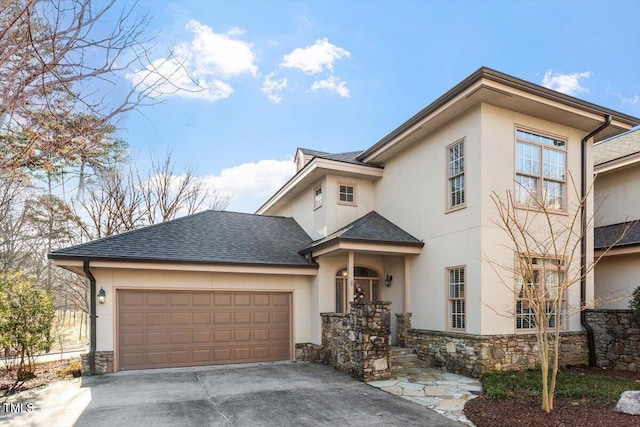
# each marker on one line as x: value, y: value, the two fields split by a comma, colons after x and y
x: 92, y: 316
x: 583, y: 243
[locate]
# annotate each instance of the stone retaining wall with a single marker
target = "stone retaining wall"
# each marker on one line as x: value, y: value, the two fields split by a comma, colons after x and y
x: 358, y: 342
x: 617, y: 339
x: 104, y: 362
x: 309, y: 352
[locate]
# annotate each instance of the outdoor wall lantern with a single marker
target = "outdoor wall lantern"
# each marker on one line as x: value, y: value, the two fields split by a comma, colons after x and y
x: 345, y: 273
x: 387, y: 280
x: 102, y: 296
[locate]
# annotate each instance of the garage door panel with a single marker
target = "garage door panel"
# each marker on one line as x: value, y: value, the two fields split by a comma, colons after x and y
x: 173, y: 328
x: 242, y: 317
x: 222, y: 318
x: 222, y: 336
x: 242, y: 335
x: 156, y: 319
x: 201, y: 318
x: 132, y: 319
x: 201, y: 337
x: 180, y: 318
x: 156, y: 299
x: 179, y: 299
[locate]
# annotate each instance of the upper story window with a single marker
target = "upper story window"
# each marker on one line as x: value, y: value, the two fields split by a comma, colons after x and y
x: 541, y: 164
x: 317, y: 197
x: 347, y: 194
x: 456, y: 175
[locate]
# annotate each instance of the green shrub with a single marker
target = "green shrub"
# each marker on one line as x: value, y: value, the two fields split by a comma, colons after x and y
x: 26, y: 313
x: 573, y: 385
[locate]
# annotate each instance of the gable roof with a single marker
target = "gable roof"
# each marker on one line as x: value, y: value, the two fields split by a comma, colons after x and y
x: 209, y: 237
x: 608, y: 235
x: 373, y: 228
x: 348, y: 157
x: 616, y: 148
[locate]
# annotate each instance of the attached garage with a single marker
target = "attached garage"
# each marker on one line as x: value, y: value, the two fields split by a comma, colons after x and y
x: 210, y: 288
x: 160, y: 329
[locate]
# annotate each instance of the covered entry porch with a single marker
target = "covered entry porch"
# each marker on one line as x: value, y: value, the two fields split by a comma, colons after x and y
x: 365, y: 261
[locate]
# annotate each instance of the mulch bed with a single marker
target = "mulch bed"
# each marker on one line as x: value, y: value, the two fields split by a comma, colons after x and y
x: 45, y: 374
x: 526, y: 411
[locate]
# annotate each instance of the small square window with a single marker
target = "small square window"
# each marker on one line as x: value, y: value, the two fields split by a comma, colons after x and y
x: 347, y: 194
x: 317, y: 198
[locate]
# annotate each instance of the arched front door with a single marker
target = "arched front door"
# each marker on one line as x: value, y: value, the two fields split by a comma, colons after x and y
x: 365, y: 278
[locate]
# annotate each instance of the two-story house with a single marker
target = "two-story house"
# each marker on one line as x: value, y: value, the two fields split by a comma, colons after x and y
x: 409, y: 220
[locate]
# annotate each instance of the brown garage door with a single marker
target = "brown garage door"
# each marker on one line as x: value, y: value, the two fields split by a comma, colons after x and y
x: 158, y: 329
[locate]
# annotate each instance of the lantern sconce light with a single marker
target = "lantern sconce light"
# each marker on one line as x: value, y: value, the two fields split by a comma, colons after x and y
x: 388, y: 280
x: 102, y: 296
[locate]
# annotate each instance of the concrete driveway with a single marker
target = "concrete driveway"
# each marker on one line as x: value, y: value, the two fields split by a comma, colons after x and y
x: 280, y: 394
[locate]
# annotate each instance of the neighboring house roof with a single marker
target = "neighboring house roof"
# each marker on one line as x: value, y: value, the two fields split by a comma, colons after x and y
x: 616, y: 148
x: 373, y: 228
x: 349, y: 157
x: 209, y: 237
x: 609, y: 235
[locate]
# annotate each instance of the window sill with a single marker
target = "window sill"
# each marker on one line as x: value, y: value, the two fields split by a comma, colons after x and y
x: 455, y: 208
x: 347, y: 203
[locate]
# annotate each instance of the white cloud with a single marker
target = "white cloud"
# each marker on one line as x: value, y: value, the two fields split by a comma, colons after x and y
x: 332, y: 84
x: 632, y: 101
x: 566, y: 83
x: 272, y: 88
x: 315, y: 58
x: 255, y: 180
x: 199, y: 69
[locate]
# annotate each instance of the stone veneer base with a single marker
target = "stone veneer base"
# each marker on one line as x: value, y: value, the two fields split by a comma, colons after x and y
x: 104, y: 362
x: 617, y: 339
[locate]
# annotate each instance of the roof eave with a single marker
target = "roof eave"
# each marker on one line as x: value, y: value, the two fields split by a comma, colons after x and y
x: 335, y: 240
x: 405, y: 129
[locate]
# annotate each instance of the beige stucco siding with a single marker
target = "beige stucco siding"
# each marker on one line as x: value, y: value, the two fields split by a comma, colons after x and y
x: 616, y: 277
x: 617, y: 196
x: 412, y: 194
x: 113, y: 279
x: 498, y: 174
x: 313, y: 221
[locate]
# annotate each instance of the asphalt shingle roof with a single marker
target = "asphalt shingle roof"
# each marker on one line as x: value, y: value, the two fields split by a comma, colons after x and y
x: 209, y: 237
x: 617, y: 147
x: 372, y: 227
x: 349, y: 157
x: 606, y: 236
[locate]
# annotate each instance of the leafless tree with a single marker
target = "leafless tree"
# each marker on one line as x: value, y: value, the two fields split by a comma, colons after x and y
x: 547, y: 262
x: 60, y: 65
x: 168, y: 194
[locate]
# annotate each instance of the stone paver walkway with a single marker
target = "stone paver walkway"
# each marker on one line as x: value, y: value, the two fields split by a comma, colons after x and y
x: 442, y: 392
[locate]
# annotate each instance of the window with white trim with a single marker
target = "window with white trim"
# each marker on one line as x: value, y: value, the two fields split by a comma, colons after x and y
x: 540, y: 283
x: 347, y: 194
x: 456, y: 292
x: 456, y: 175
x: 541, y: 164
x: 317, y: 197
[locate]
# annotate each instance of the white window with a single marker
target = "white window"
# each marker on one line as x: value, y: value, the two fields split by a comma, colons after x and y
x: 347, y: 194
x: 456, y: 291
x: 317, y: 197
x: 455, y: 187
x: 541, y: 164
x: 539, y: 283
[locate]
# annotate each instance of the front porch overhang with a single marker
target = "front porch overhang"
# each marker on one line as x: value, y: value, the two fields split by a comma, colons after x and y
x: 340, y: 246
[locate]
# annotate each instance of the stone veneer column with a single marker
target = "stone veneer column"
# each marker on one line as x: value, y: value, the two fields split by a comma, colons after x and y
x: 104, y: 362
x: 358, y: 342
x: 403, y: 324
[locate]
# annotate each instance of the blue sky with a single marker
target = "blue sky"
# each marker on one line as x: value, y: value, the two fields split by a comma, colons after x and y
x: 338, y: 76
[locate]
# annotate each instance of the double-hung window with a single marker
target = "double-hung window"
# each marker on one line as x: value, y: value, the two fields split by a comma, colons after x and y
x: 456, y: 291
x: 347, y: 194
x: 455, y: 187
x: 540, y: 292
x: 317, y: 197
x: 541, y: 164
